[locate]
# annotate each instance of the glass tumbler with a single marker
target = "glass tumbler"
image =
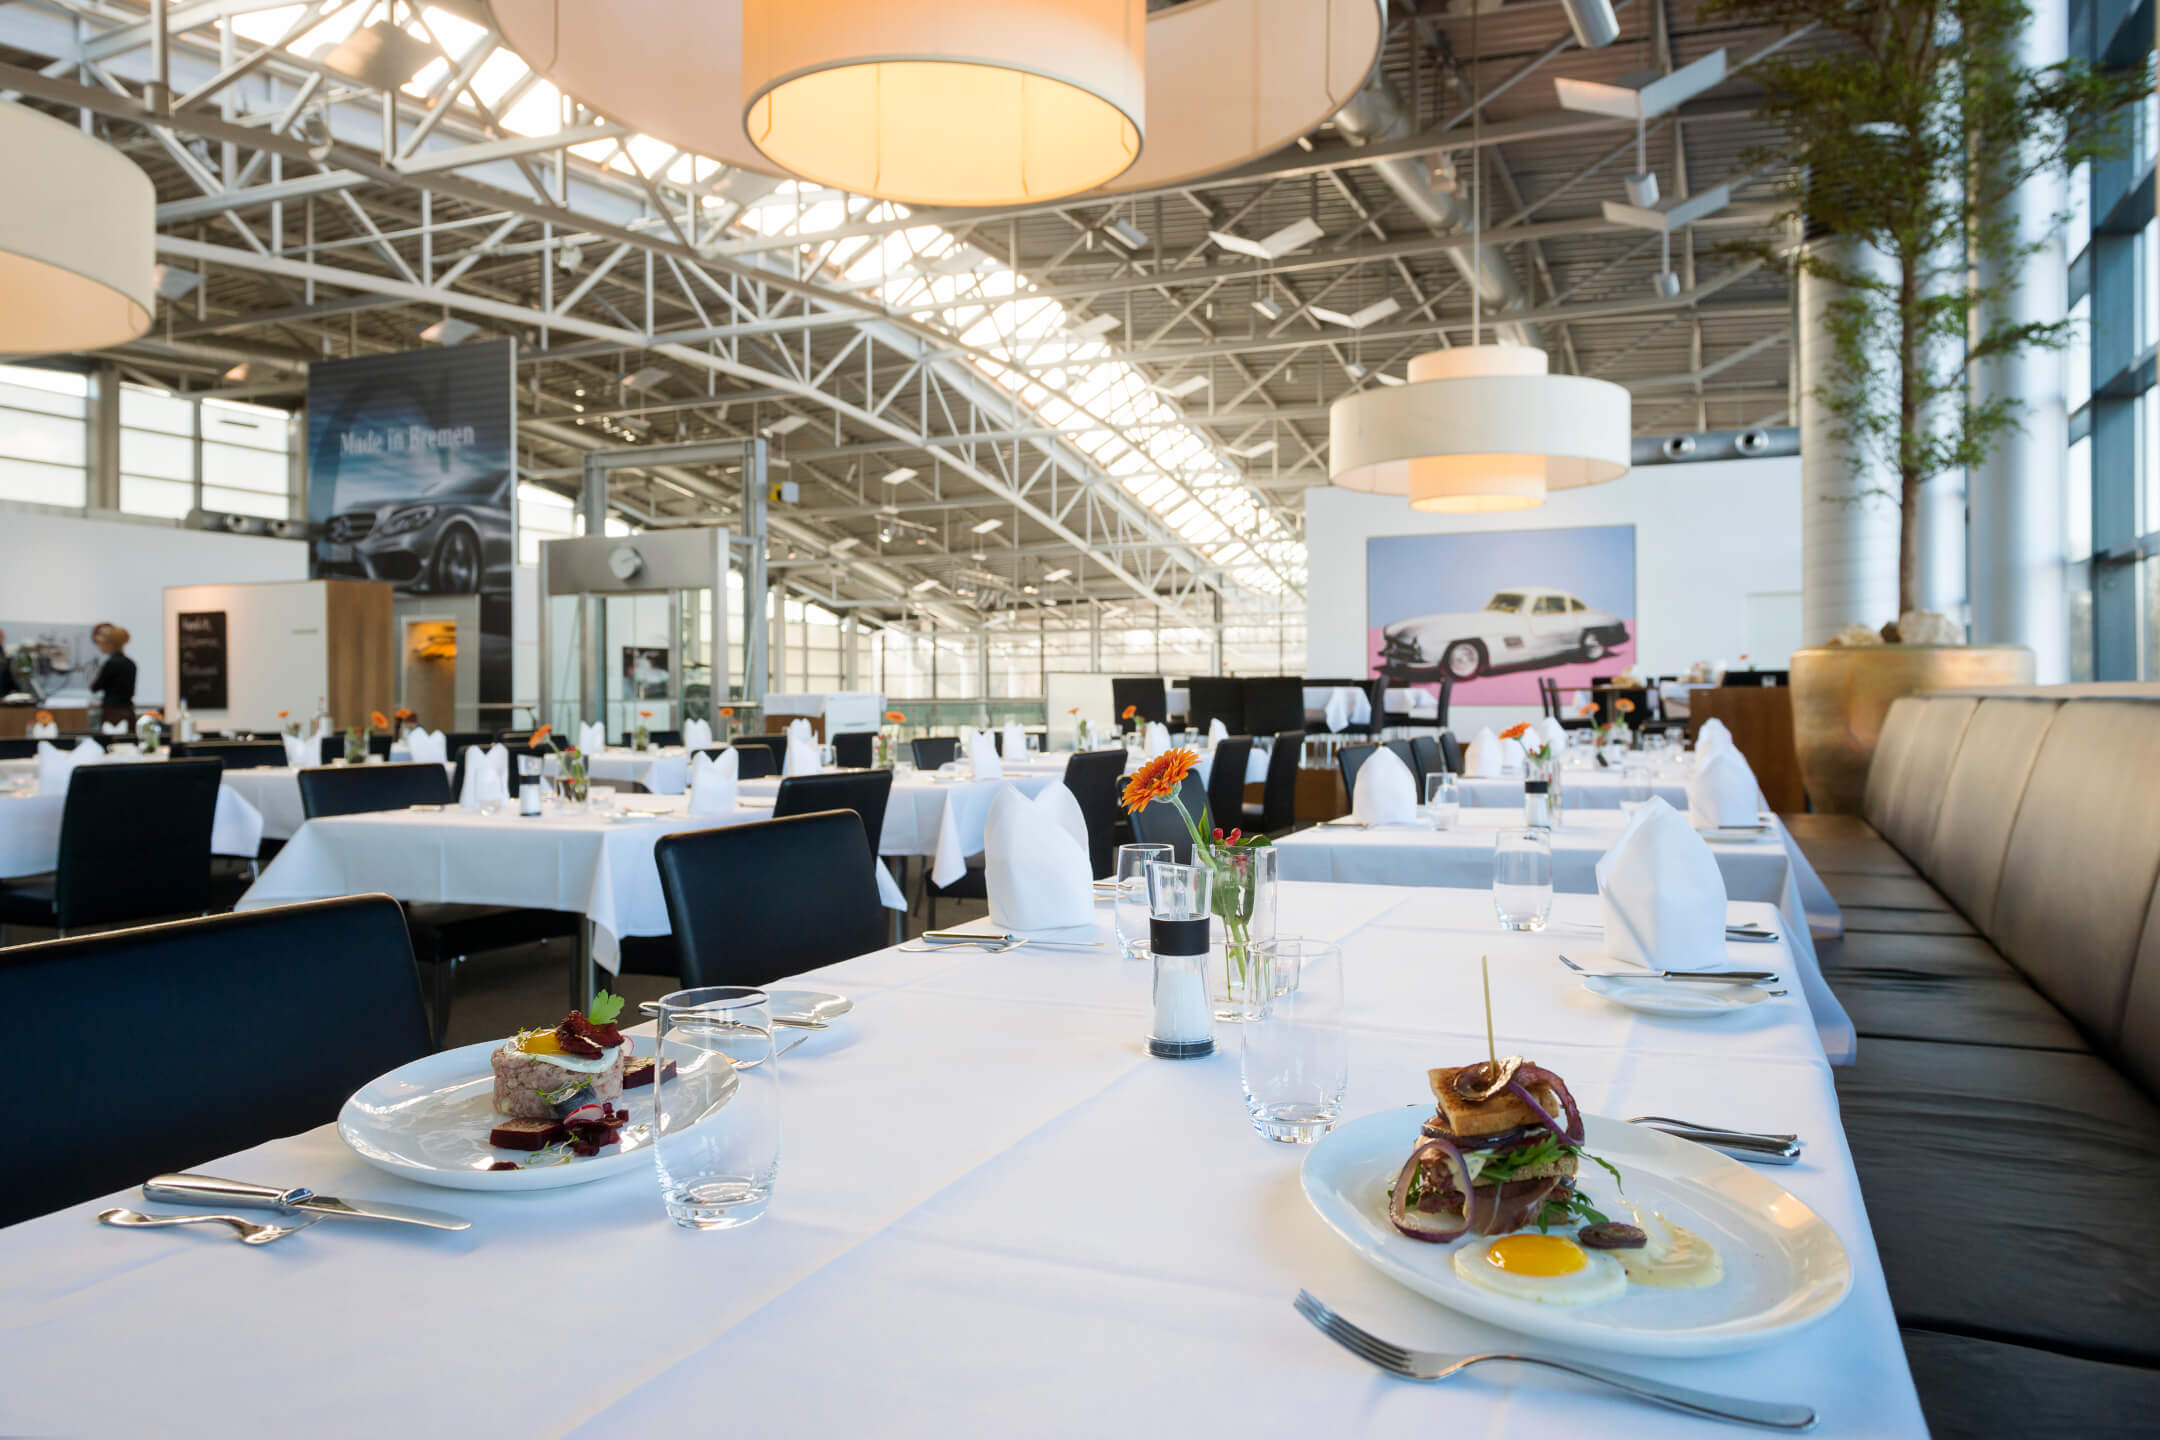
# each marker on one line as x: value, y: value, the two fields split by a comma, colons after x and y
x: 1522, y: 878
x: 1443, y: 800
x: 716, y: 1130
x: 1130, y: 913
x: 1634, y: 784
x: 1296, y: 1055
x: 827, y: 757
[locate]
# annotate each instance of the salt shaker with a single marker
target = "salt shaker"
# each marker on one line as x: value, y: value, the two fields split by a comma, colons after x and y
x: 1537, y: 804
x: 1178, y: 897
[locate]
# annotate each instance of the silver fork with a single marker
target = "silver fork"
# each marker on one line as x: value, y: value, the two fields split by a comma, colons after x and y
x: 1425, y: 1365
x: 249, y: 1231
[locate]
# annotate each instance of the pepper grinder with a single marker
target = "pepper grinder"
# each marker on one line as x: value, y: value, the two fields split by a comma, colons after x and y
x: 1178, y: 907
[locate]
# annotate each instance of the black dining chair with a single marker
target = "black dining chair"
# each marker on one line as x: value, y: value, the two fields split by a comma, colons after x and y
x: 318, y: 999
x: 518, y: 739
x: 1277, y: 814
x: 19, y: 748
x: 855, y: 749
x: 442, y: 934
x: 1093, y: 776
x: 752, y: 762
x: 1351, y: 759
x: 775, y: 744
x: 1407, y: 753
x: 1426, y: 750
x: 752, y: 903
x: 232, y: 754
x: 933, y: 751
x: 866, y: 793
x: 662, y: 738
x: 1160, y: 823
x: 134, y: 846
x: 1226, y: 781
x: 1450, y: 753
x: 333, y: 746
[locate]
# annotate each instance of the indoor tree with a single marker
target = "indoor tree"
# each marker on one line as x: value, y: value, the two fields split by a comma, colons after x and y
x: 1906, y: 136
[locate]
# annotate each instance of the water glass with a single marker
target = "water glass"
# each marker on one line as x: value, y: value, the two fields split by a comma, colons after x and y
x: 1443, y: 800
x: 1522, y: 878
x: 602, y: 799
x: 1179, y: 892
x: 1034, y: 743
x: 827, y: 757
x: 1634, y: 784
x: 1130, y: 912
x: 716, y: 1119
x: 1296, y: 1055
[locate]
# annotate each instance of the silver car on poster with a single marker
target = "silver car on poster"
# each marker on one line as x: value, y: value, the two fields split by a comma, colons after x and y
x: 453, y: 539
x: 1524, y: 627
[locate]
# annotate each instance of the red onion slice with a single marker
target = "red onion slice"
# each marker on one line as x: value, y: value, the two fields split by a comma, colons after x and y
x: 1520, y: 1087
x: 1413, y: 1223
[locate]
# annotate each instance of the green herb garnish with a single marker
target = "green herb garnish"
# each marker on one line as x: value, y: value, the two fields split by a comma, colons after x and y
x: 605, y: 1008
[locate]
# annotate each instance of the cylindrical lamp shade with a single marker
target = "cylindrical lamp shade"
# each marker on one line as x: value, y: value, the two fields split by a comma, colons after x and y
x: 1480, y: 428
x: 947, y: 102
x: 78, y: 239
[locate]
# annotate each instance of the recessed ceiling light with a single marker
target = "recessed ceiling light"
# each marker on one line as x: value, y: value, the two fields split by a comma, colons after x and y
x: 1030, y: 590
x: 900, y: 476
x: 785, y: 425
x: 984, y: 527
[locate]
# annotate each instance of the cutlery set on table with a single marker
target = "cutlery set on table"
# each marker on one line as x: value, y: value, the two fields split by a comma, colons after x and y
x: 298, y: 1207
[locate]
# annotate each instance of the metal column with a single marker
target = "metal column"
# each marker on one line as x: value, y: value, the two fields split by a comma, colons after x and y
x: 753, y: 574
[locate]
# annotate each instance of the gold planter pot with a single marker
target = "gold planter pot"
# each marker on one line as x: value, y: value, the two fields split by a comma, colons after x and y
x: 1841, y: 694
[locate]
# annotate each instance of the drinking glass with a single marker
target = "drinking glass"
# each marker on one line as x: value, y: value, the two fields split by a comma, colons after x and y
x: 716, y: 1119
x: 827, y: 757
x: 1130, y: 913
x: 602, y: 798
x: 1296, y: 1056
x: 1634, y: 784
x: 1034, y: 742
x: 1522, y: 878
x: 1443, y: 800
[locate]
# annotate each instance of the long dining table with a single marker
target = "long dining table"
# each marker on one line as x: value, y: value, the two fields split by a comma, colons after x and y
x: 995, y: 1215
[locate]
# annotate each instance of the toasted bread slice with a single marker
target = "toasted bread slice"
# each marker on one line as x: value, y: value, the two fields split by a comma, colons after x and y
x: 1472, y: 1118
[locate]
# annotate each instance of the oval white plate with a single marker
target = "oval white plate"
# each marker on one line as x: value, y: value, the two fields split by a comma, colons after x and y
x: 1785, y: 1268
x: 1677, y: 999
x: 429, y: 1121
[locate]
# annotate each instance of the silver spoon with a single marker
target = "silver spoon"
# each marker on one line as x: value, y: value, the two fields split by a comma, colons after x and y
x: 249, y: 1231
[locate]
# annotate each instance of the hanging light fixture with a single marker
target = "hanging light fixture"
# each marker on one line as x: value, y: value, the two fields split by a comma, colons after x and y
x: 78, y: 239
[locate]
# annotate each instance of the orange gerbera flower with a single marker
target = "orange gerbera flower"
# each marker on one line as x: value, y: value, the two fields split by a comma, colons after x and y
x: 1128, y: 712
x: 1588, y: 707
x: 1074, y: 711
x: 1624, y: 705
x: 401, y: 713
x: 379, y: 720
x: 284, y: 714
x: 644, y: 714
x: 895, y: 717
x: 1516, y: 731
x: 43, y: 717
x: 539, y: 735
x: 727, y: 710
x: 1158, y: 779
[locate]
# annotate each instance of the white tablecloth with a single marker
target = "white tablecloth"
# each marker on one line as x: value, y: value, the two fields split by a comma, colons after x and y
x: 630, y: 767
x: 941, y: 818
x: 1584, y: 785
x: 1067, y: 1239
x: 30, y: 830
x: 562, y: 860
x: 1757, y: 869
x: 275, y: 791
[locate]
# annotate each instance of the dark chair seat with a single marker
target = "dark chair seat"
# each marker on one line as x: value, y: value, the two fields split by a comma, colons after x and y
x: 2050, y: 1155
x: 1882, y: 892
x: 1951, y: 989
x: 752, y: 762
x: 931, y: 751
x: 1866, y: 919
x: 855, y: 749
x: 1846, y: 844
x: 1972, y: 1387
x: 1093, y: 777
x: 134, y: 846
x: 29, y: 900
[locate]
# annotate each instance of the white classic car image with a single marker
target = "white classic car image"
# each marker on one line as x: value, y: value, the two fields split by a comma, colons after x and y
x: 1521, y: 628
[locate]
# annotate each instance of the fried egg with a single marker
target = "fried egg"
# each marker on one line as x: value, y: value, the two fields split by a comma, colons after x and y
x: 1674, y: 1257
x: 1547, y: 1269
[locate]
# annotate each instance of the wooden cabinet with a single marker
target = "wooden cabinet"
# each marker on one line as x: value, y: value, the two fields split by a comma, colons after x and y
x: 1761, y: 720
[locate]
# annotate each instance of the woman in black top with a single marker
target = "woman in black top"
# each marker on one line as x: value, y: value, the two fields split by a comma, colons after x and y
x: 115, y: 682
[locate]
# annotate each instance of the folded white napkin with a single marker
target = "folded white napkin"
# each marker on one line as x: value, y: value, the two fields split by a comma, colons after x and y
x: 1663, y: 897
x: 1722, y: 791
x: 423, y: 745
x: 88, y: 751
x: 668, y: 774
x: 1555, y: 733
x: 800, y: 730
x: 115, y: 727
x: 55, y: 765
x: 696, y: 735
x: 1386, y: 791
x: 802, y: 751
x: 592, y: 739
x: 1217, y: 732
x: 982, y: 756
x: 1015, y: 742
x: 1155, y: 740
x: 1337, y: 711
x: 1712, y: 736
x: 302, y: 754
x: 48, y: 731
x: 1483, y: 758
x: 712, y: 784
x: 1035, y: 859
x: 487, y: 778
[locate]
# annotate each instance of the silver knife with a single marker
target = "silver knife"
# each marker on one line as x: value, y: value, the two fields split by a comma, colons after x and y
x: 965, y: 937
x: 209, y: 1190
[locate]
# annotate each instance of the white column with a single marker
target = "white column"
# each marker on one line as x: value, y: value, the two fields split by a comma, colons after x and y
x: 2017, y: 497
x: 1942, y: 546
x: 1848, y: 535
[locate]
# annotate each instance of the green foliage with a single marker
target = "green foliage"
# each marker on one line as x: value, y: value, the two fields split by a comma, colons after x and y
x: 605, y: 1008
x: 1907, y: 135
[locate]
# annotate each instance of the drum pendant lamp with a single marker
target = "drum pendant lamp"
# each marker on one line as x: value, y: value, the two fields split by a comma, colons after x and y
x: 78, y: 238
x: 947, y: 102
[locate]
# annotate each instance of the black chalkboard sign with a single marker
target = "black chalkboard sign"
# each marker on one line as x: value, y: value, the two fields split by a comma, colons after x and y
x: 202, y: 659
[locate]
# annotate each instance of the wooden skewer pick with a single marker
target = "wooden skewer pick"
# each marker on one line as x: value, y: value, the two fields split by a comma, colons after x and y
x: 1492, y: 1050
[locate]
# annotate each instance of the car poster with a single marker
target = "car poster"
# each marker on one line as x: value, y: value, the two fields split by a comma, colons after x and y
x: 1497, y: 611
x: 412, y: 479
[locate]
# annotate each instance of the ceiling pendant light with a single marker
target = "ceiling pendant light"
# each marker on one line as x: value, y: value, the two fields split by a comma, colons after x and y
x: 947, y: 102
x: 78, y: 239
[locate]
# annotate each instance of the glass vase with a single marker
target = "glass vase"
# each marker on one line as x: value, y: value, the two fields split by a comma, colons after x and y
x: 1548, y: 770
x: 576, y: 788
x: 1245, y: 886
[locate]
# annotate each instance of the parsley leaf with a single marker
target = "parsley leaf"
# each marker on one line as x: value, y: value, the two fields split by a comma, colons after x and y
x: 605, y: 1008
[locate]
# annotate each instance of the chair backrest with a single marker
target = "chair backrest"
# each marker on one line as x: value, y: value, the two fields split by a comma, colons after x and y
x: 135, y: 842
x: 653, y: 737
x: 1274, y: 703
x: 16, y: 747
x: 1214, y: 697
x: 931, y: 751
x: 179, y: 1107
x: 232, y: 754
x: 515, y: 739
x: 752, y: 903
x: 457, y: 740
x: 358, y: 789
x: 1450, y: 752
x: 1352, y: 759
x: 1160, y: 821
x: 855, y: 749
x: 1407, y: 753
x: 1226, y: 781
x: 333, y: 746
x: 752, y: 762
x: 865, y: 793
x: 776, y: 743
x: 1549, y: 696
x: 1145, y: 693
x: 1426, y: 750
x: 1447, y: 695
x: 1092, y: 776
x: 1278, y: 805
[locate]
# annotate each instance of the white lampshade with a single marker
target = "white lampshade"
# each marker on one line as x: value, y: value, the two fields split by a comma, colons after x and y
x: 78, y: 238
x: 947, y: 102
x: 1480, y: 428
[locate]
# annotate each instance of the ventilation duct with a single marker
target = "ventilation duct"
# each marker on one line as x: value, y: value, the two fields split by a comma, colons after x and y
x: 1375, y: 116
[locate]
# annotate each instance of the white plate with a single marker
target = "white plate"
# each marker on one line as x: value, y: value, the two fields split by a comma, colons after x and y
x: 809, y: 1004
x: 1784, y: 1266
x: 1677, y: 999
x: 429, y: 1121
x: 1733, y: 834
